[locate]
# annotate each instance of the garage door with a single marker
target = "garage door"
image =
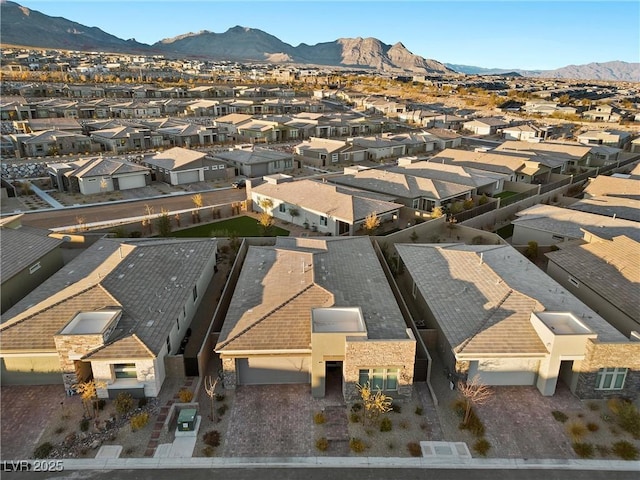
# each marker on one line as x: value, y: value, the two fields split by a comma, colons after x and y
x: 272, y: 370
x: 134, y: 181
x: 36, y: 370
x: 505, y: 371
x: 188, y: 177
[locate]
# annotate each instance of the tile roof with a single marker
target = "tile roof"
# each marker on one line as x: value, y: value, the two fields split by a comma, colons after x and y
x: 459, y: 174
x: 98, y: 167
x: 624, y: 208
x: 571, y: 223
x: 491, y: 161
x: 613, y: 187
x: 251, y: 157
x: 325, y: 199
x: 279, y: 286
x: 22, y: 247
x: 175, y: 158
x: 482, y: 297
x: 611, y: 268
x: 129, y: 347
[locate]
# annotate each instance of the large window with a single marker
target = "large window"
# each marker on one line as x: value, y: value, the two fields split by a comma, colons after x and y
x: 611, y: 378
x: 125, y: 370
x: 379, y: 378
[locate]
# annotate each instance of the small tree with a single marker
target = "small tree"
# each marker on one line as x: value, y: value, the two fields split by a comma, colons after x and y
x: 371, y: 223
x: 89, y: 395
x: 483, y: 200
x: 210, y: 389
x: 266, y: 204
x: 266, y: 222
x: 198, y: 203
x: 294, y: 212
x: 164, y: 223
x: 374, y: 403
x: 468, y: 204
x: 436, y: 212
x: 451, y: 225
x: 532, y: 250
x: 474, y: 393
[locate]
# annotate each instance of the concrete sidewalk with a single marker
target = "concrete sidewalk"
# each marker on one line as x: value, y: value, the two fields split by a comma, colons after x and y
x: 347, y: 462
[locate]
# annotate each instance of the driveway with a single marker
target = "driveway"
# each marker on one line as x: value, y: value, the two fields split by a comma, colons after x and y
x: 26, y: 410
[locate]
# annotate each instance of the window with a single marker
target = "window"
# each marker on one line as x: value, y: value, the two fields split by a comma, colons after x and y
x: 414, y: 289
x: 379, y: 378
x: 611, y: 378
x: 125, y: 370
x: 168, y: 344
x: 416, y: 203
x: 195, y: 293
x: 282, y: 208
x: 323, y: 221
x: 574, y: 282
x: 34, y: 268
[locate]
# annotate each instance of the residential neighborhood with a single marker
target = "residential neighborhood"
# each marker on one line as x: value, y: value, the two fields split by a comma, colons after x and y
x: 208, y: 260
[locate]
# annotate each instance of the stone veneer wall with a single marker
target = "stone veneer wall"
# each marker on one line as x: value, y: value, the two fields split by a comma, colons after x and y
x: 363, y: 353
x: 75, y: 346
x: 229, y: 372
x: 608, y: 355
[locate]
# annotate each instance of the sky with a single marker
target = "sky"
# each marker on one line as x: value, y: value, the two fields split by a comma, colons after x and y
x: 514, y: 34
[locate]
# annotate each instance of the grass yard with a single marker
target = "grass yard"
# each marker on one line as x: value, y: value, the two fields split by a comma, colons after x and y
x: 239, y: 226
x: 506, y: 231
x: 506, y: 194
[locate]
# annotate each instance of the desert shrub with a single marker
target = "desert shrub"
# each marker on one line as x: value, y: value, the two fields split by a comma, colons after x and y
x: 356, y: 407
x: 101, y: 404
x: 414, y: 449
x: 625, y: 450
x: 397, y: 408
x: 222, y: 409
x: 43, y: 450
x: 576, y: 430
x: 603, y: 450
x: 614, y: 404
x: 468, y: 204
x: 483, y: 199
x: 220, y: 397
x: 370, y: 432
x: 593, y: 406
x: 629, y: 419
x: 404, y: 424
x: 560, y: 416
x: 459, y: 406
x: 583, y: 450
x: 142, y: 402
x: 207, y: 451
x: 593, y: 427
x: 482, y: 447
x: 386, y: 425
x: 391, y: 445
x: 424, y: 426
x: 532, y: 250
x: 139, y: 421
x: 212, y: 438
x: 605, y: 417
x: 356, y: 445
x: 124, y: 403
x: 474, y: 425
x: 419, y: 411
x: 318, y: 418
x: 59, y: 429
x: 354, y: 418
x: 185, y: 395
x: 84, y: 424
x: 322, y: 444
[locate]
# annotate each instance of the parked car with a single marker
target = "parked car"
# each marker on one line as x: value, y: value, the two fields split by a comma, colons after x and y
x: 242, y: 183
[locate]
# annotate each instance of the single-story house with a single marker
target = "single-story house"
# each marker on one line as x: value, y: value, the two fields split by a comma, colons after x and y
x: 617, y: 207
x: 485, y: 125
x: 611, y: 138
x: 97, y: 175
x: 114, y: 314
x: 253, y: 161
x: 29, y: 257
x: 50, y: 142
x: 124, y: 138
x: 500, y: 318
x: 613, y: 186
x: 309, y: 311
x: 327, y: 208
x: 550, y: 225
x: 322, y: 152
x: 605, y: 275
x: 179, y: 166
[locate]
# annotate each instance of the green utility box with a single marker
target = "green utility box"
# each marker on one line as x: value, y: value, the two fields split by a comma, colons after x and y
x: 187, y: 420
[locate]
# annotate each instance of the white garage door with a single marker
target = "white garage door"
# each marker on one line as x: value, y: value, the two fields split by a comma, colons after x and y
x: 505, y: 371
x: 272, y: 370
x: 188, y: 177
x: 135, y: 181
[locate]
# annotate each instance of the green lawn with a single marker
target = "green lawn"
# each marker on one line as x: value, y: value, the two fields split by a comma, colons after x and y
x: 240, y: 226
x: 506, y: 231
x: 505, y: 194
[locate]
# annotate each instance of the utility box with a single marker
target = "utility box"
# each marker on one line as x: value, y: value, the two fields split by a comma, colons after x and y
x: 187, y: 420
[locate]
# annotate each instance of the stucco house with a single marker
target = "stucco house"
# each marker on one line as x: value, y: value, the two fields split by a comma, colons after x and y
x: 322, y: 207
x: 179, y: 166
x: 605, y: 275
x: 498, y: 316
x: 97, y: 175
x: 485, y: 125
x: 29, y: 257
x: 308, y: 309
x: 323, y: 152
x: 114, y: 314
x: 253, y: 161
x: 611, y: 138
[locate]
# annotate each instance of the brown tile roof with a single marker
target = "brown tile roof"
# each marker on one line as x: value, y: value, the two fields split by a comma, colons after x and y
x: 35, y: 332
x: 613, y: 186
x: 22, y: 247
x: 130, y: 347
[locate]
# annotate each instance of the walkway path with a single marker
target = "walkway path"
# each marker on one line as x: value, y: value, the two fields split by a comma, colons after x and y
x: 46, y: 197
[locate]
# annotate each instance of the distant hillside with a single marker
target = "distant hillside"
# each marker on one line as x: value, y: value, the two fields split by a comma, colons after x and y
x: 616, y: 70
x: 22, y: 26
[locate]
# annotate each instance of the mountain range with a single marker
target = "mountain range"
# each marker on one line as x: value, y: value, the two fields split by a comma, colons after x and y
x: 22, y: 26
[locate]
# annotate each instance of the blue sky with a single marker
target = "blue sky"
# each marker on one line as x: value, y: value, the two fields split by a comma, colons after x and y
x: 505, y: 34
